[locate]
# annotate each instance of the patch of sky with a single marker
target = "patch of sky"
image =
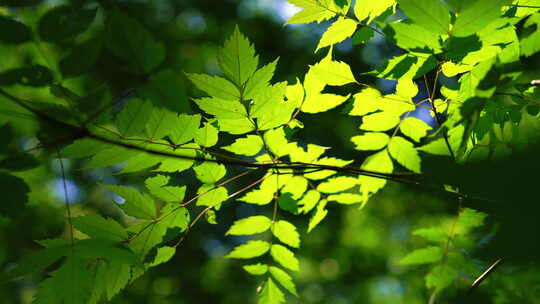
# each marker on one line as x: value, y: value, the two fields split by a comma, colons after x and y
x: 69, y: 192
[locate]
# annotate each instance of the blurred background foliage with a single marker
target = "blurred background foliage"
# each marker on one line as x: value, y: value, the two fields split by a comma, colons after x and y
x: 351, y: 258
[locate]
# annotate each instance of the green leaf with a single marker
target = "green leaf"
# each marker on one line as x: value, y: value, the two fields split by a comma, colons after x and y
x: 166, y: 88
x: 338, y: 31
x: 410, y: 36
x: 174, y: 216
x: 312, y: 11
x: 318, y: 216
x: 212, y: 196
x: 163, y: 255
x: 207, y: 136
x: 248, y: 146
x: 82, y: 59
x: 184, y: 128
x: 222, y: 109
x: 210, y: 172
x: 346, y: 198
x: 477, y: 16
x: 131, y: 121
x: 363, y: 35
x: 286, y: 233
x: 322, y: 102
x: 277, y: 142
x: 215, y: 86
x: 335, y: 73
x: 250, y: 225
x: 98, y: 227
x: 65, y: 22
x: 380, y: 121
x: 149, y: 234
x: 287, y: 203
x: 404, y: 153
x: 251, y: 249
x: 173, y: 164
x: 378, y: 162
x: 15, y: 195
x: 259, y: 80
x: 414, y: 128
x: 285, y: 257
x: 405, y: 66
x: 436, y: 147
x: 13, y: 31
x: 440, y: 277
x: 283, y: 278
x: 309, y: 201
x: 406, y: 88
x: 256, y: 269
x: 128, y: 39
x: 425, y: 255
x: 337, y: 184
x: 268, y: 99
x: 271, y: 294
x: 157, y: 187
x: 434, y: 234
x: 296, y: 186
x: 371, y: 9
x: 113, y: 277
x: 365, y: 102
x: 71, y: 283
x: 370, y: 141
x: 160, y: 123
x: 237, y: 58
x: 469, y: 219
x: 136, y: 204
x: 431, y: 15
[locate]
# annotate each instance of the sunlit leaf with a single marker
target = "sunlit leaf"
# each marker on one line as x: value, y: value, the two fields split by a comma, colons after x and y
x: 283, y: 278
x: 285, y: 257
x: 249, y: 250
x: 340, y: 30
x: 286, y: 233
x: 250, y: 225
x: 404, y: 153
x: 370, y: 141
x: 431, y: 15
x: 256, y: 269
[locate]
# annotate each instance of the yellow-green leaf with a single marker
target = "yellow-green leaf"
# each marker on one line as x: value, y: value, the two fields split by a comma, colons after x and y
x: 335, y: 73
x: 414, y: 128
x: 283, y: 278
x: 381, y: 121
x: 285, y: 257
x: 404, y: 153
x: 206, y: 136
x: 286, y: 233
x: 249, y: 250
x: 250, y: 225
x: 271, y: 294
x: 337, y: 184
x: 256, y: 269
x: 248, y: 146
x: 312, y: 11
x: 340, y: 30
x: 370, y: 141
x: 429, y: 14
x: 371, y: 9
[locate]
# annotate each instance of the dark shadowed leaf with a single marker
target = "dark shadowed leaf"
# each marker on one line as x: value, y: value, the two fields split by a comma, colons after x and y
x: 13, y: 31
x: 65, y: 22
x: 14, y: 195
